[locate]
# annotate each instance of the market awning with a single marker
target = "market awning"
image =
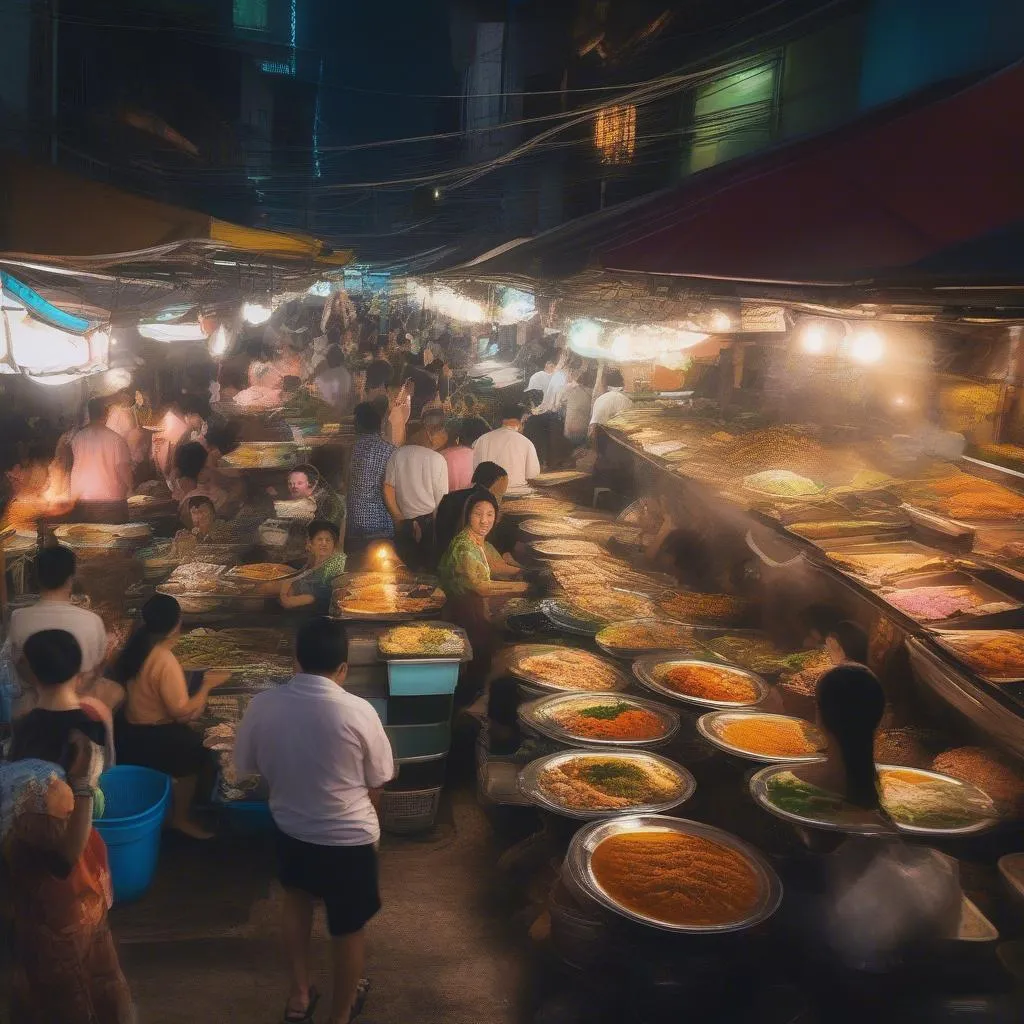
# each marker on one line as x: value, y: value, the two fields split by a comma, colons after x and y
x: 888, y: 191
x: 45, y: 212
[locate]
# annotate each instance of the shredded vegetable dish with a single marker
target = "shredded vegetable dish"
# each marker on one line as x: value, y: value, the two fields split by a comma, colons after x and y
x: 593, y: 782
x: 708, y: 682
x: 609, y: 720
x: 770, y: 737
x: 566, y: 668
x: 675, y: 878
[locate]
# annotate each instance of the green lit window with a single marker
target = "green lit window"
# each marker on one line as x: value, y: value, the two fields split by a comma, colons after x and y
x: 251, y: 14
x: 734, y: 115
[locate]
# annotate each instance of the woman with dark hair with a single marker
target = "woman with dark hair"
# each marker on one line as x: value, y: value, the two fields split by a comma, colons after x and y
x: 850, y: 707
x: 152, y: 727
x: 471, y: 572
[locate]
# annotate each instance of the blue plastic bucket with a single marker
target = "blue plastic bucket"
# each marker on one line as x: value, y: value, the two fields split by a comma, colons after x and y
x: 421, y: 677
x: 136, y: 805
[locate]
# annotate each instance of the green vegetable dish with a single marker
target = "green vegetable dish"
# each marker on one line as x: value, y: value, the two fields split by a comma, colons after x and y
x: 912, y: 799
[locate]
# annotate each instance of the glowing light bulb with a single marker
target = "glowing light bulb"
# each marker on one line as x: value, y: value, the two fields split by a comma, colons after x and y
x: 720, y: 322
x: 255, y: 313
x: 866, y: 346
x: 813, y: 338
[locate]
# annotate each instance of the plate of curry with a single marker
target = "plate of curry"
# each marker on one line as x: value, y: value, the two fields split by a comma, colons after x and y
x: 673, y: 874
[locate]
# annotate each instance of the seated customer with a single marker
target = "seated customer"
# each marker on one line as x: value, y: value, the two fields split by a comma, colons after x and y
x: 488, y: 477
x: 152, y: 728
x: 54, y: 660
x: 206, y: 528
x: 55, y: 568
x: 190, y: 478
x: 467, y: 574
x: 314, y: 588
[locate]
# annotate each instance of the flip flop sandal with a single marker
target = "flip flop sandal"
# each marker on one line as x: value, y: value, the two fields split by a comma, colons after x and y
x: 362, y: 991
x: 302, y: 1016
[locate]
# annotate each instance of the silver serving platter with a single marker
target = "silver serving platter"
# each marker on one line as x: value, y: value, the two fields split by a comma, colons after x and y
x: 536, y: 682
x: 535, y: 715
x: 710, y: 726
x: 590, y: 837
x: 556, y: 610
x: 637, y: 652
x: 530, y: 787
x: 646, y: 671
x: 872, y: 824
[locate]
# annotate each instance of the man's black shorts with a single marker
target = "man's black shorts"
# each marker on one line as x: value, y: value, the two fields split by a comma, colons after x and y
x: 344, y: 877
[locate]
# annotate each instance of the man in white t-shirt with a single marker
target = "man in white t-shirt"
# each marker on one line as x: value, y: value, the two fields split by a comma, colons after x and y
x: 55, y: 568
x: 415, y: 481
x: 612, y: 402
x: 506, y: 446
x: 542, y: 378
x: 325, y: 758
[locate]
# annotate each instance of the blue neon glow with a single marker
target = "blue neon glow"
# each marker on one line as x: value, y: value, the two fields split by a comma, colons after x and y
x: 316, y: 123
x: 46, y: 311
x: 278, y: 67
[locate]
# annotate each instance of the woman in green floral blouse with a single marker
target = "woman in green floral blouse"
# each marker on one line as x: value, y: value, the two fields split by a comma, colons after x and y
x: 471, y: 571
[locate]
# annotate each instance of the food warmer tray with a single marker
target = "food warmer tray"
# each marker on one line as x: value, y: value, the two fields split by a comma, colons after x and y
x: 853, y: 546
x: 869, y: 825
x: 587, y: 839
x: 527, y: 650
x: 644, y: 670
x: 529, y: 783
x: 532, y: 716
x: 710, y: 726
x: 940, y: 638
x: 632, y: 653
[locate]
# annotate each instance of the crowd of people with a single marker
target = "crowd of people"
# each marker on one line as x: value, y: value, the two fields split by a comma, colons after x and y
x: 427, y: 474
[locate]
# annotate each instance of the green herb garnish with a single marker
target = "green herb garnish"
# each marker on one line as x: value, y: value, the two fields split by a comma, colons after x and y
x: 604, y: 712
x: 617, y: 778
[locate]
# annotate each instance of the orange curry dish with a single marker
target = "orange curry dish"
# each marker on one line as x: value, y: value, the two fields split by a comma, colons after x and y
x: 677, y: 879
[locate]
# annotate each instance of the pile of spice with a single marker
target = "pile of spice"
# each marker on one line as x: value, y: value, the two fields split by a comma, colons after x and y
x: 675, y: 878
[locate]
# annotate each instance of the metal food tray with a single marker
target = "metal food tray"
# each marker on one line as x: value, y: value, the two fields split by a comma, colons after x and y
x: 581, y: 850
x: 968, y: 620
x: 644, y: 669
x: 569, y: 623
x: 940, y: 638
x: 853, y: 546
x: 530, y: 787
x: 422, y: 656
x: 709, y: 726
x: 532, y: 715
x: 870, y: 824
x: 632, y: 653
x: 521, y: 651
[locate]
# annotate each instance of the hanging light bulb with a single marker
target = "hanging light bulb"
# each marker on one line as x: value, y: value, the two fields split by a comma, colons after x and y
x: 866, y: 346
x: 813, y: 338
x: 254, y: 313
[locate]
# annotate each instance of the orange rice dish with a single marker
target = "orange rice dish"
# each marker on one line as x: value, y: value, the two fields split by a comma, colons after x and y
x: 675, y: 878
x: 709, y: 682
x: 772, y: 737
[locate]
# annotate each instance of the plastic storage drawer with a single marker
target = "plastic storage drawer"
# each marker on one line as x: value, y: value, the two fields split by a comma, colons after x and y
x: 417, y: 677
x: 419, y: 742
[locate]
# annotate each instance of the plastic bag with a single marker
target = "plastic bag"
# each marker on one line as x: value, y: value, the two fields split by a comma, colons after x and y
x: 887, y: 898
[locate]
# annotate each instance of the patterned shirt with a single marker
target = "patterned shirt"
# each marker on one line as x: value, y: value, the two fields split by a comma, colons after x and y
x: 368, y: 516
x: 464, y: 565
x: 329, y: 505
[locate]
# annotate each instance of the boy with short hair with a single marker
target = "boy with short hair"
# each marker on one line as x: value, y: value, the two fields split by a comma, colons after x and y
x: 316, y: 585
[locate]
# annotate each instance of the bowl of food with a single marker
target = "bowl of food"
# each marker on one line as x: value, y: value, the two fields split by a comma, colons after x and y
x: 915, y: 801
x: 555, y: 669
x: 601, y: 720
x: 757, y: 736
x: 703, y: 683
x: 591, y: 784
x: 674, y: 875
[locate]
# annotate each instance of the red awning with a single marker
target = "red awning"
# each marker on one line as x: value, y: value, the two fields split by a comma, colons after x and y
x: 885, y: 192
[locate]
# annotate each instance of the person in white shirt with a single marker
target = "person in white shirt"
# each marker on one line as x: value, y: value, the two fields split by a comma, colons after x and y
x: 556, y: 385
x: 509, y: 449
x: 325, y: 758
x: 55, y: 568
x: 101, y: 470
x: 415, y: 481
x: 612, y: 402
x: 542, y: 378
x: 575, y: 404
x: 334, y: 383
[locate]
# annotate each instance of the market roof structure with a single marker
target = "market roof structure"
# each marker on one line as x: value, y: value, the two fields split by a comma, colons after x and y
x: 877, y: 202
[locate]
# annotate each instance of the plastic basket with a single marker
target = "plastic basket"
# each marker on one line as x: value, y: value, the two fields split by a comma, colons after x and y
x: 423, y: 677
x: 403, y: 812
x: 135, y: 805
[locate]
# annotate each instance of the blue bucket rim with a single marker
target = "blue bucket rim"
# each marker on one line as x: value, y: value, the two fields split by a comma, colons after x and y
x: 134, y: 818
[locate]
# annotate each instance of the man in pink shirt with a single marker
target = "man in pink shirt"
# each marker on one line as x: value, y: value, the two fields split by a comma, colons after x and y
x: 102, y: 468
